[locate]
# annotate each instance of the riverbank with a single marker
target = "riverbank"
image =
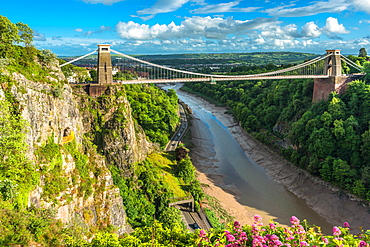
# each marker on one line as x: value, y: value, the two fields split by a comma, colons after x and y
x: 320, y: 196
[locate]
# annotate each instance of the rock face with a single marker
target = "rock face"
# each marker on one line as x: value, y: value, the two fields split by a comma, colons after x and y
x: 108, y: 123
x: 53, y: 111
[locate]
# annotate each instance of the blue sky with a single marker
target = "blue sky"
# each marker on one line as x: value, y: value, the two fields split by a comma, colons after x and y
x: 75, y: 27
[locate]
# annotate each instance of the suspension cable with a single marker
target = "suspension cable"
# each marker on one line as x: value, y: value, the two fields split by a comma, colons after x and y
x: 74, y: 60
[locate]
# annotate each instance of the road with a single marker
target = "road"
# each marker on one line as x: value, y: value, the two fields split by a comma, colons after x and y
x: 193, y: 220
x: 177, y: 137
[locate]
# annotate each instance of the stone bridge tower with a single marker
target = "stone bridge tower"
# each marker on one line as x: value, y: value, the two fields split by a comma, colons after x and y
x: 336, y: 81
x: 105, y: 76
x: 104, y: 65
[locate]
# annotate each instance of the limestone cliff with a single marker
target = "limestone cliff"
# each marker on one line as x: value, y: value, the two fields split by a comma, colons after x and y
x: 85, y: 194
x: 108, y: 123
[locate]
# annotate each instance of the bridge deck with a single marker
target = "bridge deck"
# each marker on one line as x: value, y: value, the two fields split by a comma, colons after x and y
x: 210, y: 79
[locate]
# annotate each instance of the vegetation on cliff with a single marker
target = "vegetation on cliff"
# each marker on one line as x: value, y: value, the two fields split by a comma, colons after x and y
x: 154, y: 110
x: 18, y: 55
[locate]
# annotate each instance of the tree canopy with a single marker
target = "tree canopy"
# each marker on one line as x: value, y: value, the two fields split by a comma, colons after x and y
x: 11, y: 34
x: 362, y: 52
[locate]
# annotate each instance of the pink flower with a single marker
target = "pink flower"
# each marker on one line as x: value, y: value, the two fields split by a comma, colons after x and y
x: 303, y: 243
x: 294, y: 220
x: 257, y: 218
x: 272, y: 226
x: 346, y: 224
x: 325, y: 240
x: 362, y: 243
x: 202, y: 233
x: 274, y: 237
x: 336, y: 231
x: 230, y: 238
x: 300, y: 230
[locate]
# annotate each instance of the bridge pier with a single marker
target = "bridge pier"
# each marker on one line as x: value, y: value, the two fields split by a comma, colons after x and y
x: 324, y: 86
x: 94, y: 90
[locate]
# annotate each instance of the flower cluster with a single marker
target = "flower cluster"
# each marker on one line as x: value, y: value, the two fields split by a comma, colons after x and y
x: 299, y: 234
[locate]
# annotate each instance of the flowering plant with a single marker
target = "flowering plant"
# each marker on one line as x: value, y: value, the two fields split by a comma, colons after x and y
x: 299, y: 234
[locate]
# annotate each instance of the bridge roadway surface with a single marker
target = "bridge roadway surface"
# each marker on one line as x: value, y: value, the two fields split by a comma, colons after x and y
x: 215, y: 79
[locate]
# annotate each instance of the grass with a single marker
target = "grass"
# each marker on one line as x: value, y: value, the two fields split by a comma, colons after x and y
x: 168, y: 173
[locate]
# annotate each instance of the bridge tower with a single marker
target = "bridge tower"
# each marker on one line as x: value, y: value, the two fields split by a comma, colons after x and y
x: 104, y: 65
x: 333, y: 65
x: 336, y: 81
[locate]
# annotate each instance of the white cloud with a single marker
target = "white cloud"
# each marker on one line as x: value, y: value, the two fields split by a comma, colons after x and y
x: 193, y: 27
x: 313, y: 9
x: 105, y: 2
x: 332, y: 26
x: 254, y: 42
x: 364, y: 21
x: 311, y: 30
x: 362, y: 5
x: 223, y: 8
x: 79, y: 30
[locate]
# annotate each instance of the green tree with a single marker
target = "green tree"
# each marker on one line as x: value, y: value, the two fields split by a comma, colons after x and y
x: 93, y: 75
x: 362, y: 52
x: 170, y: 216
x: 340, y: 171
x: 321, y: 143
x: 366, y: 67
x: 25, y: 33
x: 186, y: 170
x: 11, y: 34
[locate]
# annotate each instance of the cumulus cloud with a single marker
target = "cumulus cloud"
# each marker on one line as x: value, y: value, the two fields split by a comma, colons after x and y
x: 38, y: 36
x: 311, y: 30
x: 332, y: 26
x: 223, y: 8
x: 313, y: 9
x: 80, y: 30
x: 105, y: 2
x: 225, y: 29
x: 207, y: 27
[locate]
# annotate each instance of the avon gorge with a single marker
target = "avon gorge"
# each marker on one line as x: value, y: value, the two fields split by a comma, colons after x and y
x: 185, y: 123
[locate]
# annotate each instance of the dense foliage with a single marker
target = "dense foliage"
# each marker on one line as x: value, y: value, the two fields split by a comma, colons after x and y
x: 330, y: 139
x: 154, y: 184
x: 235, y: 235
x: 154, y: 110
